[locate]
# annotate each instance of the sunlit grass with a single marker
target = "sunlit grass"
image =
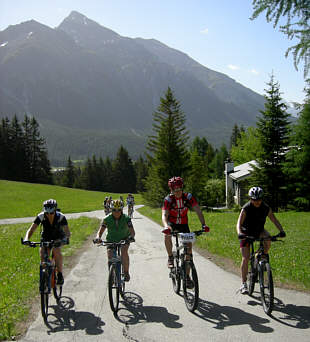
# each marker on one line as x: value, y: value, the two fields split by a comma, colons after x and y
x: 18, y: 199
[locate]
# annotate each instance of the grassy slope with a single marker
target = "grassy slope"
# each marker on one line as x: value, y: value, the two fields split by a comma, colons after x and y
x: 18, y: 199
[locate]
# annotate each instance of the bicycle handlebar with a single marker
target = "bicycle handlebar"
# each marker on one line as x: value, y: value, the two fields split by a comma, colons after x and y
x: 109, y: 243
x: 49, y: 244
x: 269, y: 238
x: 168, y: 231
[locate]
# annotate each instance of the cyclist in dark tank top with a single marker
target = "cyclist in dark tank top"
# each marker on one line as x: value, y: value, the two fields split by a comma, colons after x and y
x: 251, y: 222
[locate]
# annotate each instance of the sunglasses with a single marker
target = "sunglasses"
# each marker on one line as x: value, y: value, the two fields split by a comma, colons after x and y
x: 116, y: 210
x: 49, y: 210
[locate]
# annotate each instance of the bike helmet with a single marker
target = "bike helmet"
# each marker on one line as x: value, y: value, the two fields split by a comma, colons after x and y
x: 256, y: 193
x: 117, y: 204
x: 175, y: 182
x: 49, y: 206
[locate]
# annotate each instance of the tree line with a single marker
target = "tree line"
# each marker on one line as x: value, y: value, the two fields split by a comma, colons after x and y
x: 23, y: 153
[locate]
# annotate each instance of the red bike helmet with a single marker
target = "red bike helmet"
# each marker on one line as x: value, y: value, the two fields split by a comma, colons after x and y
x: 175, y: 183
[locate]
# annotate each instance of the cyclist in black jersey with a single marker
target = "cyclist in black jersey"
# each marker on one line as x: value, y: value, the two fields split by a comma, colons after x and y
x: 55, y: 227
x: 251, y: 222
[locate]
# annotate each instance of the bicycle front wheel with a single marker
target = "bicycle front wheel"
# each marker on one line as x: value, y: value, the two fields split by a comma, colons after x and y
x: 266, y: 287
x: 175, y: 275
x: 122, y: 282
x: 252, y: 275
x: 44, y: 295
x: 114, y: 289
x: 190, y: 286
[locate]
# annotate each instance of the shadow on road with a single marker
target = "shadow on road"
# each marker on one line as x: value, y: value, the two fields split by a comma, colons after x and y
x: 225, y: 316
x: 66, y: 318
x: 134, y: 312
x: 288, y: 314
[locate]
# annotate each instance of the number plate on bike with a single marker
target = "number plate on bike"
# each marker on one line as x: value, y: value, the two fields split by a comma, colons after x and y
x: 187, y: 237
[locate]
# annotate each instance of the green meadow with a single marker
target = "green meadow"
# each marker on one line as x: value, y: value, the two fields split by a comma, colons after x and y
x: 18, y: 199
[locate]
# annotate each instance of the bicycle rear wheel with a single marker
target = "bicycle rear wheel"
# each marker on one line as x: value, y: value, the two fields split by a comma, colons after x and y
x: 266, y: 287
x: 190, y: 286
x: 252, y: 275
x: 57, y: 289
x: 114, y: 289
x: 175, y: 275
x: 44, y: 295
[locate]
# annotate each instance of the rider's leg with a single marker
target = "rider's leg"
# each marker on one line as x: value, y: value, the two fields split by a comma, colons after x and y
x: 125, y: 258
x: 245, y: 252
x: 168, y: 244
x: 267, y: 243
x: 58, y: 258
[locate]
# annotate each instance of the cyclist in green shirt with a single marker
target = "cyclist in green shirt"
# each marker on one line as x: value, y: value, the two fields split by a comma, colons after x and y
x: 119, y: 228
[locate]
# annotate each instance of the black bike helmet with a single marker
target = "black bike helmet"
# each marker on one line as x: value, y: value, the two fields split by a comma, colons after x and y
x: 256, y: 193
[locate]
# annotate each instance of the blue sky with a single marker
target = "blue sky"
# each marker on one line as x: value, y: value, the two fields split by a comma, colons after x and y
x: 217, y: 34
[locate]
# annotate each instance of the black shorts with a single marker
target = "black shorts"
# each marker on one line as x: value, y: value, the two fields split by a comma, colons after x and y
x: 50, y: 236
x: 180, y: 228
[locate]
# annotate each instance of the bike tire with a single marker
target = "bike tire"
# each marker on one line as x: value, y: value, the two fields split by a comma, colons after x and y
x: 44, y: 295
x: 175, y: 275
x: 191, y: 295
x: 252, y: 276
x: 114, y: 290
x: 57, y: 289
x: 122, y: 283
x: 266, y: 287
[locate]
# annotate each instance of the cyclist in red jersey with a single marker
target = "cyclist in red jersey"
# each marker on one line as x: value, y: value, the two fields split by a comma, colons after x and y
x: 174, y: 213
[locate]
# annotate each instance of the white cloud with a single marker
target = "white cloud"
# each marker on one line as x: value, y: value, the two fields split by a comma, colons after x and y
x: 233, y: 67
x: 205, y: 31
x: 255, y: 72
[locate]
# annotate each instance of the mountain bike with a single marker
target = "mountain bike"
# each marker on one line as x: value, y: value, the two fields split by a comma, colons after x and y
x: 116, y: 282
x: 48, y: 271
x: 260, y: 271
x: 130, y: 210
x: 184, y: 269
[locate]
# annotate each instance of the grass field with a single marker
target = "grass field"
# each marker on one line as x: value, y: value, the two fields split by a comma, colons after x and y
x: 290, y: 260
x: 18, y: 199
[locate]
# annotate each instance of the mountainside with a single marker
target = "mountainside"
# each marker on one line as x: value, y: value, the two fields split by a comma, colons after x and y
x: 85, y: 80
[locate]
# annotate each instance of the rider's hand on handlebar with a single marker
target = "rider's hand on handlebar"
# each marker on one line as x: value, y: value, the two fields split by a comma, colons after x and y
x: 205, y: 228
x: 26, y: 242
x: 241, y: 236
x: 282, y: 234
x: 131, y: 239
x: 167, y: 230
x: 97, y: 240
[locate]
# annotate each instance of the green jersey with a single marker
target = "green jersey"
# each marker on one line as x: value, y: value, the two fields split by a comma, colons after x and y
x: 117, y: 229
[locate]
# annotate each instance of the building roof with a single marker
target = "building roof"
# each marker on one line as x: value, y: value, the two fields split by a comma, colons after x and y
x: 242, y: 171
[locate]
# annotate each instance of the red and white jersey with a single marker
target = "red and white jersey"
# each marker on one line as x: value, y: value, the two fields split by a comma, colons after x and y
x: 178, y: 207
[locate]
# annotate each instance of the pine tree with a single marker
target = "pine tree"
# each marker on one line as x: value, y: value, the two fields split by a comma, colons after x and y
x: 273, y: 133
x: 297, y: 166
x: 124, y: 178
x: 168, y: 155
x: 141, y: 170
x: 69, y: 175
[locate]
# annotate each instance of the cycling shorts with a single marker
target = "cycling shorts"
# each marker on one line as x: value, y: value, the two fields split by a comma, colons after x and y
x: 263, y: 234
x: 180, y: 228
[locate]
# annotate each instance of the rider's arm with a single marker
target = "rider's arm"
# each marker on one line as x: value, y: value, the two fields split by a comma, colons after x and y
x: 30, y: 231
x: 101, y: 230
x: 164, y: 217
x: 274, y: 220
x: 240, y: 221
x: 199, y: 214
x: 67, y: 231
x: 131, y: 229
